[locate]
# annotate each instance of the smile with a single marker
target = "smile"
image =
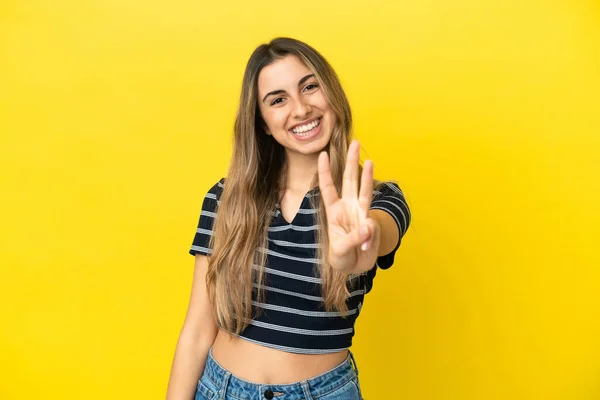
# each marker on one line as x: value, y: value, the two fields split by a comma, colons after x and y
x: 306, y: 129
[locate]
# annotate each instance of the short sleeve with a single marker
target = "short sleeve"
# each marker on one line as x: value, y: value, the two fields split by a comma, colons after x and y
x: 204, y: 231
x: 389, y: 198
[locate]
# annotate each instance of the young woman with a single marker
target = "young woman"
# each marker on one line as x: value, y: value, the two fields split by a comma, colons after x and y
x: 288, y: 244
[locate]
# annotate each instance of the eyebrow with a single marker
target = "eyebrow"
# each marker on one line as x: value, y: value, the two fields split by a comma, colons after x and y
x: 300, y: 82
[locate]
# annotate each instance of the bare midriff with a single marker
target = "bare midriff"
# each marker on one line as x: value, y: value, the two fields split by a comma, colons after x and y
x: 263, y: 365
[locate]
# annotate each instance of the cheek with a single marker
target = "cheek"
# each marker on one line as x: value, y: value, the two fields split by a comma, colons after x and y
x: 275, y: 119
x: 322, y: 103
x: 267, y: 118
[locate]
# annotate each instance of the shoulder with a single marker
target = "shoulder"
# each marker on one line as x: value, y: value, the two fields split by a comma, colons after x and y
x: 217, y: 188
x: 387, y: 188
x: 389, y: 197
x: 213, y: 196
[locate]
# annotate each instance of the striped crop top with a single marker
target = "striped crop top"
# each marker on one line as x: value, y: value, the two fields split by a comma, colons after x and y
x: 293, y: 317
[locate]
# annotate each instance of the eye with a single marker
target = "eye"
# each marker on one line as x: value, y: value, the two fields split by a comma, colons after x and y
x: 311, y: 86
x: 277, y: 101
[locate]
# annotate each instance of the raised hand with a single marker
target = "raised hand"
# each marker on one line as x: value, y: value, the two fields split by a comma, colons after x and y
x: 353, y: 236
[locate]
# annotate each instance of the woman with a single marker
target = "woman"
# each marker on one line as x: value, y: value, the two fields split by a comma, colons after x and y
x: 287, y: 245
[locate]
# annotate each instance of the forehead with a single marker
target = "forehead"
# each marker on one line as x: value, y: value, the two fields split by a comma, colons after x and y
x: 283, y: 73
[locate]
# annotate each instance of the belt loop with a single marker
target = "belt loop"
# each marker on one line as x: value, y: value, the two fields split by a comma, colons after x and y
x: 353, y: 362
x: 223, y: 389
x: 306, y: 390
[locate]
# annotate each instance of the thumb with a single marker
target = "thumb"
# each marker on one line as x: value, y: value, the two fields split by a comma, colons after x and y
x: 353, y: 239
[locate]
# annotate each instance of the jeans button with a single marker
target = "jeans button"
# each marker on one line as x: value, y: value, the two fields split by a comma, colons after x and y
x: 268, y: 394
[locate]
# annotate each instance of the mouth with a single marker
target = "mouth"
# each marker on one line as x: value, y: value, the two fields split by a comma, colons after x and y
x: 307, y: 129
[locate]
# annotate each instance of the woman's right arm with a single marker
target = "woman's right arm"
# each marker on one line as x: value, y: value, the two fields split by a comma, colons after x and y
x: 197, y: 336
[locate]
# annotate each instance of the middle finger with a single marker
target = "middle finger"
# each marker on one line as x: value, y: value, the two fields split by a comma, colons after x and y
x: 350, y: 180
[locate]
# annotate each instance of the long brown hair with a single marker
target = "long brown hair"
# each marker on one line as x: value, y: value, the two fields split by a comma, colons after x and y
x: 256, y: 175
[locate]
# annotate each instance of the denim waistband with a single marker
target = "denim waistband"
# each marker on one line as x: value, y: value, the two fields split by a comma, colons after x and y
x: 316, y: 386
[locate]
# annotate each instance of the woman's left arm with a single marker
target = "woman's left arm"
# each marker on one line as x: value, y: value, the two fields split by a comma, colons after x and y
x: 388, y: 231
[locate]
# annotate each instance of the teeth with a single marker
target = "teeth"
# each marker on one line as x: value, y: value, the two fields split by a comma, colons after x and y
x: 299, y: 130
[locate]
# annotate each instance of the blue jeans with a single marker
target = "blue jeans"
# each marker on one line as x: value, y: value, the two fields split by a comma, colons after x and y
x: 340, y: 383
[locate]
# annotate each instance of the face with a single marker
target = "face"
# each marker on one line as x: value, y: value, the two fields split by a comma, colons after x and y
x: 293, y: 107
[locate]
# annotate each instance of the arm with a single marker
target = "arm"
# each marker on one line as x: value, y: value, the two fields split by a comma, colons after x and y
x: 196, y: 337
x: 388, y: 230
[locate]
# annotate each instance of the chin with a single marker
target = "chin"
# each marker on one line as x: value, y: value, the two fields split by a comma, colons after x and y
x: 315, y: 146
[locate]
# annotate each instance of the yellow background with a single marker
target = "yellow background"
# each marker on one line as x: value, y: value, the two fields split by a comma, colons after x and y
x: 116, y: 117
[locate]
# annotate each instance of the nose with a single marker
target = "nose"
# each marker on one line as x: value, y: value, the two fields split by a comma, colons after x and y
x: 301, y: 110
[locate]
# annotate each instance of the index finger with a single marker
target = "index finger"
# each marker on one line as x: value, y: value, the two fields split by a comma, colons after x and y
x: 328, y: 191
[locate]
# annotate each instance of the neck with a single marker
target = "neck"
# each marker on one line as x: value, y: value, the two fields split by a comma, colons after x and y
x: 301, y: 171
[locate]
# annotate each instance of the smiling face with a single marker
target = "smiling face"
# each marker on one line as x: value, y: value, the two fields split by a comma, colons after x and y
x: 293, y: 106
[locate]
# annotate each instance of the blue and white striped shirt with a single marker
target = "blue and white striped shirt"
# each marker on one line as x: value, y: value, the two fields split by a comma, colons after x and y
x: 293, y: 317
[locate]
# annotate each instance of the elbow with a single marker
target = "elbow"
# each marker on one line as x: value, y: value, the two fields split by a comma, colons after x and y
x: 200, y: 334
